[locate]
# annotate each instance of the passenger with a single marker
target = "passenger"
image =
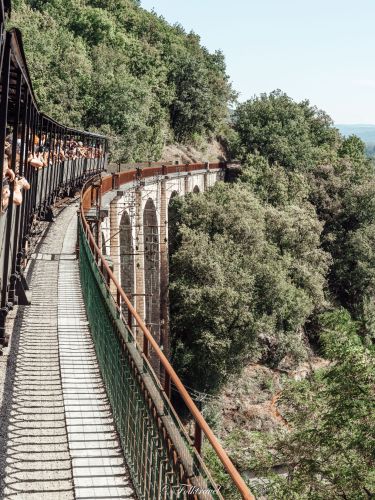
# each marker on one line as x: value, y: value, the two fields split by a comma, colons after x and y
x: 35, y: 160
x: 45, y: 151
x: 5, y: 195
x: 45, y: 157
x: 20, y: 183
x: 8, y: 172
x: 17, y: 195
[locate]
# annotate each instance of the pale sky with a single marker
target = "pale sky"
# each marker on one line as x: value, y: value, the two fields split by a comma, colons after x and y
x: 322, y: 50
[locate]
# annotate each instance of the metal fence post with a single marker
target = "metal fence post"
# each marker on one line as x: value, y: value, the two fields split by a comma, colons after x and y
x: 3, y: 124
x: 13, y: 276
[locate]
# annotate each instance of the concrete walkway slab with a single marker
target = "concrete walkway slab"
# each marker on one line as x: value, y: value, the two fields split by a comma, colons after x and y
x: 57, y: 436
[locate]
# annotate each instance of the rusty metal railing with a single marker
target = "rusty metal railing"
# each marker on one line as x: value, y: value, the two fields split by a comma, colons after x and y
x: 182, y: 454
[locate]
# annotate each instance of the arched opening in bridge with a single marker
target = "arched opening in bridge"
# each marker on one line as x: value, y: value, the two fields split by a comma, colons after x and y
x: 196, y: 189
x: 151, y: 269
x: 104, y: 244
x: 168, y: 248
x: 172, y: 222
x: 126, y: 256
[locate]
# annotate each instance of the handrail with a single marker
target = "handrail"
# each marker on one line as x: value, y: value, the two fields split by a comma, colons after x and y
x: 170, y: 373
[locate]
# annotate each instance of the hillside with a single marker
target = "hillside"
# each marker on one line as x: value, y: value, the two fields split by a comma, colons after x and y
x: 272, y: 284
x: 116, y: 68
x: 364, y: 132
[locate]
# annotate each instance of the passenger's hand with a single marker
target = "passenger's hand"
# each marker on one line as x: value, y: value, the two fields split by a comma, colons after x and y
x: 10, y: 174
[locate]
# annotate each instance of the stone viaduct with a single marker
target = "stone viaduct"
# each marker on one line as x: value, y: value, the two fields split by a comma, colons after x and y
x: 134, y: 235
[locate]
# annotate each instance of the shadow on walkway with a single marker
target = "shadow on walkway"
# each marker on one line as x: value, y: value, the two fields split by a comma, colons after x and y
x: 34, y: 455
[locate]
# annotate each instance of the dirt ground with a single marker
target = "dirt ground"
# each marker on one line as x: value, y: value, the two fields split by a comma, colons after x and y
x: 211, y: 152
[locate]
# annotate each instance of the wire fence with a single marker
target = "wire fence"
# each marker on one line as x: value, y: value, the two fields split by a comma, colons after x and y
x: 160, y: 455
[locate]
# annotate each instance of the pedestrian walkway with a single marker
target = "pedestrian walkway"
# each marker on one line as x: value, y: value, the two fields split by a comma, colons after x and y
x: 58, y: 439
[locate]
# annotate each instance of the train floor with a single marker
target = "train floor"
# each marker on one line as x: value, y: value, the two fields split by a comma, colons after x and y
x: 57, y: 435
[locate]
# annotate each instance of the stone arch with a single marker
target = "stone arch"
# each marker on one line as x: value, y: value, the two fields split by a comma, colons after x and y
x: 196, y: 189
x: 126, y: 256
x: 151, y: 269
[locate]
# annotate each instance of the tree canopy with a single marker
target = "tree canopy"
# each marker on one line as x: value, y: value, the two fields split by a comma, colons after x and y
x: 294, y: 135
x: 116, y: 68
x: 244, y: 280
x: 330, y: 448
x: 277, y: 264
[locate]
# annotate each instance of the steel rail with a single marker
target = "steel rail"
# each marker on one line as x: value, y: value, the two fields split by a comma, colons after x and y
x: 169, y: 371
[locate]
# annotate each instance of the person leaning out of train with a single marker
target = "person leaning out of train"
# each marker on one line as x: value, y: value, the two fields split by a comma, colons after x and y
x: 10, y: 177
x: 19, y: 184
x: 61, y: 155
x: 37, y: 159
x: 81, y: 150
x: 8, y: 172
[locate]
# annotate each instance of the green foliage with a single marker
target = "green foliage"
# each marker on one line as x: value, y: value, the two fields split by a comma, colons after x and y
x: 94, y: 25
x: 197, y: 106
x: 219, y: 474
x: 244, y: 279
x: 329, y: 451
x: 294, y: 135
x: 273, y: 184
x: 254, y: 265
x: 59, y: 65
x: 353, y: 148
x: 343, y: 193
x: 114, y: 67
x: 291, y: 153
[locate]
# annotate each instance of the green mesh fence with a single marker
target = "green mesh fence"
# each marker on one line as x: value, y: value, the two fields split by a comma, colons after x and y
x: 161, y: 460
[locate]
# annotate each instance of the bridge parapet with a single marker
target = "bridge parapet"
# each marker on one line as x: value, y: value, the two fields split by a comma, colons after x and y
x: 172, y: 460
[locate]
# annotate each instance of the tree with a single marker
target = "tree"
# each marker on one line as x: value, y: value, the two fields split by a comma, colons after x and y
x: 59, y: 64
x: 294, y: 135
x: 343, y: 193
x: 244, y: 279
x: 354, y: 148
x: 200, y: 93
x: 291, y: 153
x: 329, y: 450
x: 112, y: 66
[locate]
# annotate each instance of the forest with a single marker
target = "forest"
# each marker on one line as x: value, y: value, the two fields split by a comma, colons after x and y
x: 111, y: 66
x: 279, y: 264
